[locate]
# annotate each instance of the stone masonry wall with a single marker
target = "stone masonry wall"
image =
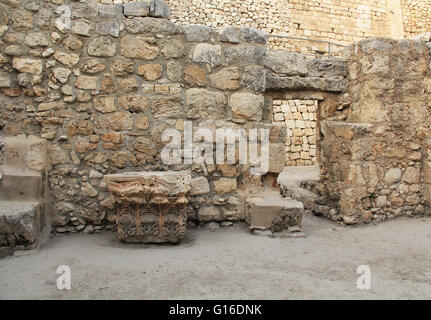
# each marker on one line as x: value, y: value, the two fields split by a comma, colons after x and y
x: 375, y: 161
x: 340, y: 21
x: 417, y: 16
x: 102, y: 92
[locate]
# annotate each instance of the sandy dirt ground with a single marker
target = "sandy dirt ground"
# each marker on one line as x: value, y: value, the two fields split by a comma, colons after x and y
x: 231, y: 263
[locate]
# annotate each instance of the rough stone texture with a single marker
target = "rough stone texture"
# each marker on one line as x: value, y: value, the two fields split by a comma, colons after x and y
x: 246, y: 106
x: 101, y: 47
x: 138, y: 47
x: 225, y: 79
x: 372, y: 167
x: 207, y: 53
x: 202, y: 103
x: 198, y: 33
x: 274, y: 213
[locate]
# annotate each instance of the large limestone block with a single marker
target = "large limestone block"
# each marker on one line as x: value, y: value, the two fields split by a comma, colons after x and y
x: 28, y: 65
x: 273, y: 212
x: 202, y: 103
x: 139, y: 47
x: 247, y: 106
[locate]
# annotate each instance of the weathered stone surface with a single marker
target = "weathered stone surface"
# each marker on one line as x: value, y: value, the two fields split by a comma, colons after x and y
x: 195, y: 75
x: 110, y: 11
x: 128, y: 84
x: 88, y: 190
x: 102, y: 47
x: 151, y: 71
x: 411, y: 175
x: 139, y: 47
x: 105, y: 28
x: 122, y: 67
x: 44, y: 19
x: 61, y: 74
x: 254, y: 78
x: 14, y: 50
x: 56, y: 105
x: 19, y: 224
x: 115, y: 121
x: 136, y: 9
x: 274, y: 213
x: 72, y: 43
x: 198, y: 33
x: 107, y: 85
x: 230, y: 34
x: 142, y: 123
x: 206, y: 214
x: 277, y: 157
x: 86, y: 82
x: 200, y: 186
x: 225, y: 185
x: 119, y: 159
x: 92, y: 66
x: 5, y: 81
x: 286, y: 63
x: 246, y: 106
x: 174, y: 70
x: 149, y: 25
x: 202, y: 103
x: 28, y: 65
x: 245, y: 54
x: 66, y: 58
x: 207, y: 53
x: 173, y: 48
x: 159, y: 9
x: 254, y: 35
x: 105, y: 104
x: 133, y: 102
x: 169, y: 107
x: 36, y: 39
x: 82, y: 28
x: 225, y: 79
x: 327, y: 68
x: 22, y: 19
x: 393, y: 175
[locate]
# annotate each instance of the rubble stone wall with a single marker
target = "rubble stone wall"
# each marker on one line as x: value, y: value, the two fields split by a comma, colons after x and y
x: 375, y: 158
x: 103, y: 91
x: 417, y: 16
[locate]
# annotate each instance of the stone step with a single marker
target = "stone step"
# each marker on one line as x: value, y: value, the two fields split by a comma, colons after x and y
x: 20, y: 185
x: 274, y: 213
x: 290, y: 181
x: 19, y: 225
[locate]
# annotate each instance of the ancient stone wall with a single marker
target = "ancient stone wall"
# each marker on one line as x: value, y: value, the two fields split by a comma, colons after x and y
x: 417, y: 16
x: 339, y: 21
x: 103, y: 91
x: 374, y: 159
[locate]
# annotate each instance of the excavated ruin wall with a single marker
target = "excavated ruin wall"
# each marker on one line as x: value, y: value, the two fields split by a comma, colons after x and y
x: 102, y: 92
x: 375, y: 159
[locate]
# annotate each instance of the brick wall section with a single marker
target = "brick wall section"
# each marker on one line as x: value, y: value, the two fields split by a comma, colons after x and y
x: 417, y: 16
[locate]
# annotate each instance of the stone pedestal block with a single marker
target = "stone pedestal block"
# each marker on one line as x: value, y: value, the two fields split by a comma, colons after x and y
x: 151, y: 206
